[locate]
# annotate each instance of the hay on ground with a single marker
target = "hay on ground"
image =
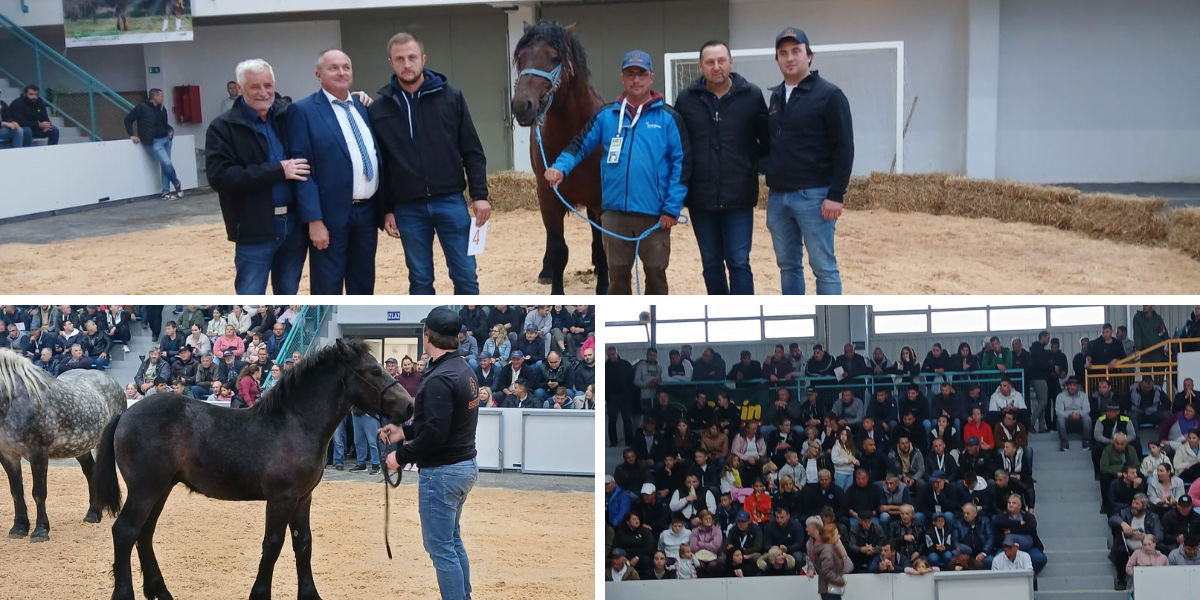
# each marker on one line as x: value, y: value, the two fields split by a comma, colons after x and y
x: 513, y: 190
x: 1184, y: 232
x: 1123, y: 218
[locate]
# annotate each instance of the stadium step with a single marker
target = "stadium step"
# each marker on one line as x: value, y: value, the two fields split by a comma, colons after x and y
x: 1107, y: 593
x: 1070, y: 557
x: 1076, y: 582
x: 1079, y: 569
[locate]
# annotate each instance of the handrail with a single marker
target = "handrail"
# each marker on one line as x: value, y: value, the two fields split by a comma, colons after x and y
x: 1168, y: 344
x: 1129, y: 367
x: 65, y: 115
x: 308, y: 321
x: 62, y: 61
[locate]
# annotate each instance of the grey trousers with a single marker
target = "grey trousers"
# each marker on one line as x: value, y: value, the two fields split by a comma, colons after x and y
x: 1084, y: 419
x: 1041, y: 396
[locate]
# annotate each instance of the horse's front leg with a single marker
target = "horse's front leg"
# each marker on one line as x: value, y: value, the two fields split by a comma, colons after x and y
x: 87, y: 463
x: 279, y: 512
x: 599, y: 257
x: 12, y: 467
x: 302, y: 546
x: 40, y: 462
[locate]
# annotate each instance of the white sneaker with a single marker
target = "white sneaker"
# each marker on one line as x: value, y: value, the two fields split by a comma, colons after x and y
x: 164, y: 24
x: 178, y: 24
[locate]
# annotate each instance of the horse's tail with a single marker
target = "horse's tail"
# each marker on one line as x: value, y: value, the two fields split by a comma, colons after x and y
x: 105, y: 487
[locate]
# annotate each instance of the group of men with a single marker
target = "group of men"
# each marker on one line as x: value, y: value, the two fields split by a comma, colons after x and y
x: 705, y: 152
x: 318, y: 178
x: 27, y: 119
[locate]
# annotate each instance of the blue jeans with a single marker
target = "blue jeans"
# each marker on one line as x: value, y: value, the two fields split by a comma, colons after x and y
x: 160, y: 150
x: 442, y: 493
x: 282, y: 259
x: 724, y: 238
x: 447, y: 217
x: 200, y: 393
x: 942, y: 559
x: 366, y: 429
x: 20, y: 137
x: 795, y: 222
x: 843, y: 480
x: 339, y: 444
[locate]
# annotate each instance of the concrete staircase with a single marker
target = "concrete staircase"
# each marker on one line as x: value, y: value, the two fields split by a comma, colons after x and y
x: 67, y: 134
x: 125, y: 365
x: 1075, y: 533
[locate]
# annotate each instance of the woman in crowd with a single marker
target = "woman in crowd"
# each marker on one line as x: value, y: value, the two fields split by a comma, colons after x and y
x: 497, y: 345
x: 263, y: 321
x: 716, y: 442
x: 276, y: 373
x: 684, y: 442
x: 1187, y: 421
x: 132, y: 394
x: 947, y: 433
x: 636, y: 539
x: 229, y: 341
x: 908, y: 367
x: 486, y: 399
x: 707, y: 537
x: 736, y: 565
x: 119, y: 320
x: 843, y: 459
x: 1164, y: 488
x: 239, y: 319
x: 965, y: 361
x: 248, y: 387
x: 199, y: 341
x: 216, y: 325
x: 1151, y: 462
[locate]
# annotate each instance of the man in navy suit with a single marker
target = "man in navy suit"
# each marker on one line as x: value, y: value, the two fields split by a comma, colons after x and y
x: 339, y: 201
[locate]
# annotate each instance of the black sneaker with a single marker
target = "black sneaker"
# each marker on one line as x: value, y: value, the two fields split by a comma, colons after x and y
x: 339, y: 467
x: 166, y: 196
x: 1120, y: 586
x: 358, y: 468
x: 1087, y: 445
x: 374, y: 470
x: 1064, y: 448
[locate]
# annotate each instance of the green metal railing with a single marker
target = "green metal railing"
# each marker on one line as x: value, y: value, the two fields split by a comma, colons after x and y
x: 304, y: 333
x: 72, y: 93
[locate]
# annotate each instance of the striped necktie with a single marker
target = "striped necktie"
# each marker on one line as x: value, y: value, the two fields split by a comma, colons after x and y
x: 368, y: 171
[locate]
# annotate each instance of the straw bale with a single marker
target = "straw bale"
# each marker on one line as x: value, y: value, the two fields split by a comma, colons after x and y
x: 1122, y: 218
x: 1184, y: 232
x: 513, y: 190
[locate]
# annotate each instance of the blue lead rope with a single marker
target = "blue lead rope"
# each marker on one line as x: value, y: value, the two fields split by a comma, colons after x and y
x: 637, y: 241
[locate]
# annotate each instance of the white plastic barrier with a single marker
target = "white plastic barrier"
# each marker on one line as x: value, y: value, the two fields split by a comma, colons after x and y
x: 1176, y: 583
x: 972, y: 585
x: 45, y: 178
x: 558, y: 442
x: 489, y: 439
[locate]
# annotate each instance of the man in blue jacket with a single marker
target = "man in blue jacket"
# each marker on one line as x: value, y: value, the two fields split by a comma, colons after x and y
x: 616, y: 501
x: 339, y: 200
x: 644, y: 173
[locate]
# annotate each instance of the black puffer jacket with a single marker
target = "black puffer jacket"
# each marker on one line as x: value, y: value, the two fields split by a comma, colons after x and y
x: 729, y: 141
x: 95, y: 345
x: 240, y: 171
x: 152, y: 121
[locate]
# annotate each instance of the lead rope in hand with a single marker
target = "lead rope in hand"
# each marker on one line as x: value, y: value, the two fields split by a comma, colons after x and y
x: 637, y: 241
x: 384, y: 446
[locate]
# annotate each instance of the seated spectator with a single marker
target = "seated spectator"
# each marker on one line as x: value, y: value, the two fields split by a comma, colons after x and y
x: 758, y: 503
x: 230, y: 368
x: 745, y: 536
x: 687, y: 502
x: 1013, y: 558
x: 468, y: 347
x: 677, y: 369
x: 683, y: 441
x: 620, y: 570
x: 230, y: 341
x: 1107, y: 425
x: 777, y: 367
x: 77, y: 360
x: 14, y: 340
x: 972, y: 400
x: 1164, y: 489
x: 583, y: 371
x: 37, y: 340
x: 710, y: 367
x: 789, y: 496
x: 132, y: 394
x: 1016, y: 463
x: 582, y: 325
x: 1187, y: 457
x: 938, y: 459
x: 908, y: 462
x: 486, y: 400
x: 248, y: 387
x: 823, y: 494
x: 1146, y: 556
x: 670, y: 539
x: 47, y: 362
x: 30, y: 112
x: 882, y: 411
x: 274, y: 342
x: 735, y: 565
x: 750, y: 446
x: 726, y: 513
x: 939, y: 498
x: 973, y: 537
x: 648, y: 445
x: 1187, y: 396
x: 185, y: 366
x: 977, y: 490
x: 974, y: 459
x: 895, y: 495
x: 199, y: 342
x: 1129, y: 527
x: 714, y: 441
x: 873, y: 461
x: 1004, y: 486
x: 784, y: 533
x: 1019, y: 526
x: 862, y: 498
x: 1071, y: 406
x: 96, y: 345
x: 207, y: 373
x: 939, y: 543
x: 661, y: 569
x: 553, y: 373
x: 119, y: 320
x: 947, y: 403
x: 864, y: 540
x: 943, y: 430
x: 707, y: 539
x: 1117, y: 458
x: 811, y: 412
x: 1006, y: 399
x: 160, y: 387
x: 1148, y: 403
x: 12, y: 132
x: 912, y: 430
x: 870, y: 429
x: 1009, y: 429
x: 498, y: 344
x: 745, y: 370
x: 1187, y: 420
x: 631, y: 535
x: 171, y: 341
x: 777, y: 562
x: 917, y: 404
x: 1188, y: 554
x: 179, y: 386
x: 560, y: 400
x: 820, y: 364
x: 252, y: 349
x: 850, y: 364
x: 889, y: 560
x: 517, y: 368
x: 849, y: 410
x: 686, y: 566
x: 1178, y: 521
x: 705, y: 470
x: 1122, y: 490
x: 220, y: 393
x: 980, y: 430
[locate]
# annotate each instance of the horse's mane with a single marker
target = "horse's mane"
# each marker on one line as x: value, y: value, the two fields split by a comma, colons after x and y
x: 15, y: 367
x: 555, y: 34
x: 290, y: 382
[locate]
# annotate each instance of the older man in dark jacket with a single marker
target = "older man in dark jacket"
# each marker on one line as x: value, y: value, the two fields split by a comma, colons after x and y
x: 726, y: 120
x: 246, y: 157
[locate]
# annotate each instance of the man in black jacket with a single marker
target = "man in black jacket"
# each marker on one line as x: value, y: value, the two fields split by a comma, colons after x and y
x: 427, y: 140
x: 96, y: 345
x: 29, y: 110
x: 726, y: 120
x: 619, y: 392
x: 247, y: 163
x: 812, y: 152
x: 443, y: 447
x: 155, y: 133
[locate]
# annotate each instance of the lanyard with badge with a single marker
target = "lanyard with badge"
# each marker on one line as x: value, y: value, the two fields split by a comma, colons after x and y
x: 614, y: 147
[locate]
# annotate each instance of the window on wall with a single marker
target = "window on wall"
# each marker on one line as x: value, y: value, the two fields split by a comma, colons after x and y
x: 906, y: 323
x: 691, y: 324
x: 959, y: 316
x: 626, y: 334
x: 624, y: 314
x: 683, y: 332
x: 958, y: 321
x: 749, y: 330
x: 1075, y: 316
x: 790, y: 328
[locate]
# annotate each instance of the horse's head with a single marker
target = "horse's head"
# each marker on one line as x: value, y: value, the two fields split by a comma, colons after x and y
x: 370, y: 388
x: 548, y: 58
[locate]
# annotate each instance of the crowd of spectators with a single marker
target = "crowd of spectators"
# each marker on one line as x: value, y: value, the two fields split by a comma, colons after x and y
x: 939, y: 478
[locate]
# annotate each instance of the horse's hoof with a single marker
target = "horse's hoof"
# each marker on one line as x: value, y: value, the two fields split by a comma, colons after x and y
x: 92, y: 517
x: 40, y: 535
x: 18, y: 533
x: 543, y: 280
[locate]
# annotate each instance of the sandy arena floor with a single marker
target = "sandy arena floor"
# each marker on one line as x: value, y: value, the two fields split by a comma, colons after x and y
x: 523, y: 546
x: 880, y: 253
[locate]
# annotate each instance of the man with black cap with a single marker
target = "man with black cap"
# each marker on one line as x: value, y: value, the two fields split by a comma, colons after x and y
x: 812, y: 152
x: 443, y: 447
x: 1071, y: 406
x: 1179, y: 521
x: 516, y: 369
x: 639, y: 127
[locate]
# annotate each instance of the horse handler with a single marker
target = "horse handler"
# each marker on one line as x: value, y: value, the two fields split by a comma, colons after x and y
x: 443, y: 447
x: 643, y: 172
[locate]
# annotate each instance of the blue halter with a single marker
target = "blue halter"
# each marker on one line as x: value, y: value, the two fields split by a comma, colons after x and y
x: 554, y: 77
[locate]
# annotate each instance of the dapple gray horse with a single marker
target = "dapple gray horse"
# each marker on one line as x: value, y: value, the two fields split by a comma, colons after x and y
x: 43, y: 418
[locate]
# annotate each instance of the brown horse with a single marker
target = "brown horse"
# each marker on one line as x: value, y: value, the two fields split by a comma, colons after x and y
x: 553, y: 93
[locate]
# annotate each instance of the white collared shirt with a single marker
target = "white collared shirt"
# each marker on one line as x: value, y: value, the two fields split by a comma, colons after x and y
x: 363, y: 189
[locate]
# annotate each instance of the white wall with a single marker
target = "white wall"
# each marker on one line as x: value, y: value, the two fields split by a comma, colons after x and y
x: 1099, y: 91
x: 935, y: 36
x: 982, y: 585
x: 209, y: 61
x: 41, y: 12
x: 114, y: 170
x: 215, y: 8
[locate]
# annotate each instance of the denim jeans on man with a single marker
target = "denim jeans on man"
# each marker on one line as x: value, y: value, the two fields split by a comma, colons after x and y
x: 366, y: 429
x: 339, y: 442
x: 20, y: 137
x: 51, y: 134
x: 796, y: 223
x: 724, y: 238
x: 282, y: 259
x: 442, y: 493
x: 160, y: 150
x: 447, y: 217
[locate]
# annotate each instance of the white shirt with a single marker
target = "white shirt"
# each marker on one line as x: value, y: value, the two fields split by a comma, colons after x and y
x: 1022, y: 563
x: 1000, y: 401
x: 227, y: 104
x: 363, y: 189
x: 787, y: 92
x: 619, y: 575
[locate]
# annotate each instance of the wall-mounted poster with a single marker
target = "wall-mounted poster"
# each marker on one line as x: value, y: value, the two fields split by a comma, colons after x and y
x: 109, y: 22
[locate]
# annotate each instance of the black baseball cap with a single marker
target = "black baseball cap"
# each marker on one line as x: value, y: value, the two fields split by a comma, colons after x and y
x: 792, y: 33
x: 444, y: 321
